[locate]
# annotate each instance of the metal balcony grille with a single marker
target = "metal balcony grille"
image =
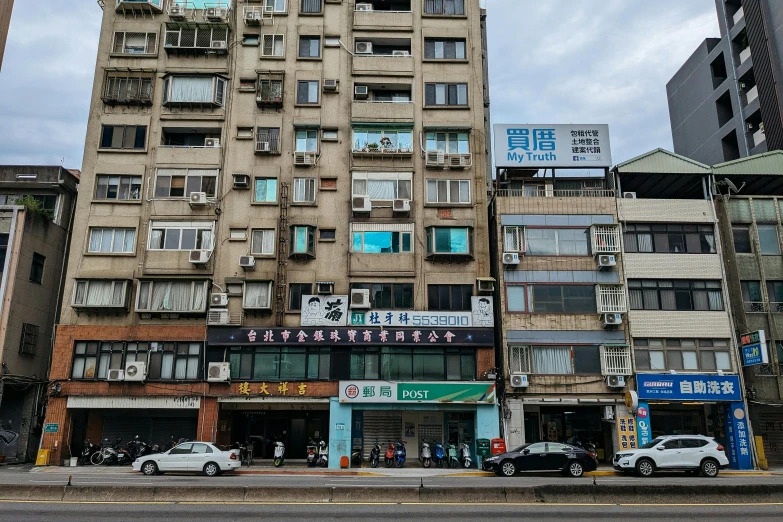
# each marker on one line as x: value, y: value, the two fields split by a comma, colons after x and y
x: 549, y: 193
x: 606, y: 239
x: 268, y: 142
x: 520, y: 359
x: 125, y: 86
x: 196, y: 36
x: 610, y: 299
x: 223, y: 317
x: 616, y: 360
x: 755, y: 306
x: 135, y: 43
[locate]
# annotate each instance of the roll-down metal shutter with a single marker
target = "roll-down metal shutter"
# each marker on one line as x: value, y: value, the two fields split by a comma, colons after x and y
x: 771, y: 429
x: 381, y: 426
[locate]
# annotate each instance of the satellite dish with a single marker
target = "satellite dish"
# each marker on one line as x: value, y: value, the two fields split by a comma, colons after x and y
x: 732, y: 187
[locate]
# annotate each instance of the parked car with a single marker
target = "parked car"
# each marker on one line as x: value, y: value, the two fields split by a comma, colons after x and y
x: 200, y: 457
x: 542, y: 457
x: 690, y: 453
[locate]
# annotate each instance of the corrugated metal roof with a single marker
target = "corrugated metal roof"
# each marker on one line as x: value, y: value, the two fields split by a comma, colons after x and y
x: 162, y: 403
x: 660, y: 161
x: 769, y: 163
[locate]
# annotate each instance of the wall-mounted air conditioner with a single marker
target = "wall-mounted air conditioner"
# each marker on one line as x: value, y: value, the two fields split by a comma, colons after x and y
x: 629, y: 195
x: 198, y: 199
x: 510, y: 258
x: 219, y: 372
x: 218, y: 299
x: 325, y: 287
x: 606, y: 261
x: 363, y: 47
x: 116, y: 375
x: 360, y: 299
x: 519, y: 380
x: 199, y: 257
x: 247, y: 262
x: 361, y: 204
x: 401, y: 206
x: 135, y: 371
x: 611, y: 320
x: 615, y: 381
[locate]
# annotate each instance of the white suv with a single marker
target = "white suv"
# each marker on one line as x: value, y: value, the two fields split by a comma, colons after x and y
x: 690, y: 453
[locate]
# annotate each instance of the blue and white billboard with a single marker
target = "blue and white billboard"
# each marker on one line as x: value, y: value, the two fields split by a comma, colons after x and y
x: 688, y: 387
x: 754, y: 348
x: 549, y: 145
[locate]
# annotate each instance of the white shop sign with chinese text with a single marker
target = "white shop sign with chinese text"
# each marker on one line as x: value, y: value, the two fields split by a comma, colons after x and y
x: 547, y: 145
x: 324, y: 310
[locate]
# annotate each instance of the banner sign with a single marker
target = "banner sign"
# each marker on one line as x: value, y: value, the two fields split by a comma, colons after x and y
x: 546, y: 146
x: 739, y: 441
x: 754, y: 348
x: 410, y: 392
x: 324, y: 310
x: 688, y: 387
x: 643, y: 427
x: 626, y: 433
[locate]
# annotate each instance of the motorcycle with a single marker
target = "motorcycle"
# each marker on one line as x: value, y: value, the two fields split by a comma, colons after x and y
x: 279, y: 453
x: 425, y: 454
x: 323, y: 454
x: 356, y: 457
x: 438, y: 454
x: 89, y: 450
x: 389, y: 455
x: 312, y: 454
x: 452, y: 459
x: 399, y: 454
x: 111, y: 454
x: 375, y: 455
x: 464, y: 450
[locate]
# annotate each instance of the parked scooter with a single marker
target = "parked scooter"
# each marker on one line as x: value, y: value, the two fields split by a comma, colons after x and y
x: 89, y: 450
x: 399, y: 454
x: 425, y: 454
x: 389, y: 455
x: 111, y: 454
x: 323, y: 454
x: 438, y: 455
x: 452, y: 459
x: 375, y: 455
x: 464, y: 450
x: 312, y: 453
x: 279, y: 453
x: 356, y: 456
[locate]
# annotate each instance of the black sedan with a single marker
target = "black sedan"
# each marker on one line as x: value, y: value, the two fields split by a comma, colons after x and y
x: 542, y: 457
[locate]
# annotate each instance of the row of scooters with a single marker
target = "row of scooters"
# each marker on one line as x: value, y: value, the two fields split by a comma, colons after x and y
x: 430, y: 452
x: 111, y: 453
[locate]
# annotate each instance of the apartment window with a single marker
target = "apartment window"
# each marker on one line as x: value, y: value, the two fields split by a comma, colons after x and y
x: 449, y: 298
x: 171, y: 296
x: 237, y: 234
x: 273, y: 45
x: 250, y: 40
x: 444, y: 7
x: 37, y: 268
x: 775, y: 295
x: 94, y: 359
x: 130, y: 137
x: 650, y: 294
x: 556, y: 360
x: 372, y: 239
x: 388, y: 296
x: 257, y: 294
x: 751, y: 296
x: 383, y: 140
x: 119, y: 188
x: 327, y: 234
x: 194, y: 90
x: 277, y: 6
x: 181, y: 183
x: 181, y: 235
x: 682, y: 354
x: 270, y: 91
x: 29, y: 340
x: 670, y: 239
x: 307, y: 92
x: 265, y: 191
x: 268, y: 139
x: 307, y: 141
x: 514, y: 239
x: 112, y: 240
x: 768, y: 240
x: 444, y: 49
x: 456, y: 191
x: 560, y: 299
x: 263, y: 242
x: 426, y: 364
x: 742, y: 243
x: 3, y: 250
x: 96, y: 292
x: 449, y: 240
x: 302, y: 240
x: 295, y: 293
x: 174, y: 361
x: 448, y: 142
x: 557, y: 241
x: 135, y: 43
x: 279, y: 363
x: 311, y: 6
x: 304, y: 190
x: 446, y: 94
x: 309, y: 47
x: 196, y: 36
x: 516, y: 298
x: 128, y: 87
x: 383, y: 186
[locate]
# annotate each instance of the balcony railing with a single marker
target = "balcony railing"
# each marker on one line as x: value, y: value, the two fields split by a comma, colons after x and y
x: 549, y: 193
x: 222, y: 317
x: 268, y: 143
x: 196, y: 37
x: 610, y: 299
x: 269, y: 95
x: 754, y: 307
x: 776, y: 307
x: 616, y: 360
x: 380, y: 150
x: 128, y: 88
x: 148, y: 6
x: 752, y: 94
x: 606, y: 239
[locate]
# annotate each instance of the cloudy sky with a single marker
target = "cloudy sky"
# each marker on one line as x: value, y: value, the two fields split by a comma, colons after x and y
x: 551, y: 61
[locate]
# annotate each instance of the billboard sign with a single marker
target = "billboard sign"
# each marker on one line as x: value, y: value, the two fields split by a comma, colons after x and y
x: 688, y: 387
x: 546, y: 146
x: 417, y: 392
x: 754, y: 348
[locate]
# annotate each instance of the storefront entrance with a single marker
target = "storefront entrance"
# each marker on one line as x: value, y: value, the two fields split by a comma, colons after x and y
x: 575, y: 425
x: 677, y: 419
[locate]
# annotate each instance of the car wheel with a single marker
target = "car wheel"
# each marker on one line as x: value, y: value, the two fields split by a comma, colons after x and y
x: 645, y: 468
x: 575, y: 468
x: 508, y: 468
x: 149, y: 468
x: 211, y: 469
x: 709, y: 468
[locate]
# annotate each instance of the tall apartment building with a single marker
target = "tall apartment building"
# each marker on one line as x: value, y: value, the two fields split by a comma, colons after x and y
x: 6, y: 6
x: 283, y: 231
x: 724, y: 102
x: 36, y: 213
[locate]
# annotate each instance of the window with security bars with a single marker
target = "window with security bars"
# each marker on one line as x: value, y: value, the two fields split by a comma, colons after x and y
x: 513, y: 239
x: 444, y: 7
x: 135, y: 43
x: 616, y: 360
x: 129, y: 87
x: 273, y: 45
x: 520, y: 359
x: 29, y: 341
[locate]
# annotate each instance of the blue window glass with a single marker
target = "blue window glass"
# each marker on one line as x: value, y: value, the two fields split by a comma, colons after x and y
x: 451, y: 241
x: 382, y: 242
x: 266, y: 191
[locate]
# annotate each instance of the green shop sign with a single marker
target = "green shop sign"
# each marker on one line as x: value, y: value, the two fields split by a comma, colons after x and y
x: 417, y: 392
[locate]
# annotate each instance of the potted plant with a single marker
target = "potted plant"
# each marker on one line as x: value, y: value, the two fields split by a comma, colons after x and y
x: 373, y: 147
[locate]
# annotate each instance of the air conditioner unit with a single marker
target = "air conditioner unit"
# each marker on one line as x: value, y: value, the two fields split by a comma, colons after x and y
x: 215, y: 13
x: 325, y: 287
x: 364, y: 7
x: 116, y: 375
x: 212, y: 142
x: 252, y: 17
x: 218, y: 317
x: 510, y: 258
x: 606, y: 261
x: 262, y: 146
x: 177, y: 12
x: 199, y: 257
x: 135, y: 371
x: 607, y: 413
x: 363, y: 47
x: 609, y: 320
x: 247, y: 262
x: 304, y: 158
x: 629, y: 195
x: 360, y: 299
x: 519, y: 380
x: 330, y: 85
x: 218, y: 299
x: 460, y: 161
x: 401, y: 53
x: 241, y: 181
x: 486, y: 285
x: 435, y: 158
x: 218, y: 372
x: 198, y: 199
x: 219, y: 44
x: 615, y: 381
x: 401, y: 205
x: 361, y: 204
x: 361, y: 92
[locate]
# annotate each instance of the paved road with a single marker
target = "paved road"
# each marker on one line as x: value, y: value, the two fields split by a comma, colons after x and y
x: 38, y: 511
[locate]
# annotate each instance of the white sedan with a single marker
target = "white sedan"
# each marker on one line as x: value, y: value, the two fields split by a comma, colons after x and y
x: 201, y: 457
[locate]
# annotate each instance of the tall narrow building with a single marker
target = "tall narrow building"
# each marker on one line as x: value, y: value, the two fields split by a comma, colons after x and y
x: 283, y: 230
x: 6, y: 6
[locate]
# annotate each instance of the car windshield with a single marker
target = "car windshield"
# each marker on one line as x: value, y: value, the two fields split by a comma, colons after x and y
x: 519, y: 449
x: 651, y: 444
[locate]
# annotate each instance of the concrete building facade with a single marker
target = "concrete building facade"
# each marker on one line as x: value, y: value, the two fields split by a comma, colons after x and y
x: 6, y: 6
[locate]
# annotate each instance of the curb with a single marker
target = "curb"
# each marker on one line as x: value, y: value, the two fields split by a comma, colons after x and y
x: 722, y: 473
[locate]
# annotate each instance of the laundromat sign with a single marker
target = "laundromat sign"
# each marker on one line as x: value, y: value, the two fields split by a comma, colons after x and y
x: 417, y: 392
